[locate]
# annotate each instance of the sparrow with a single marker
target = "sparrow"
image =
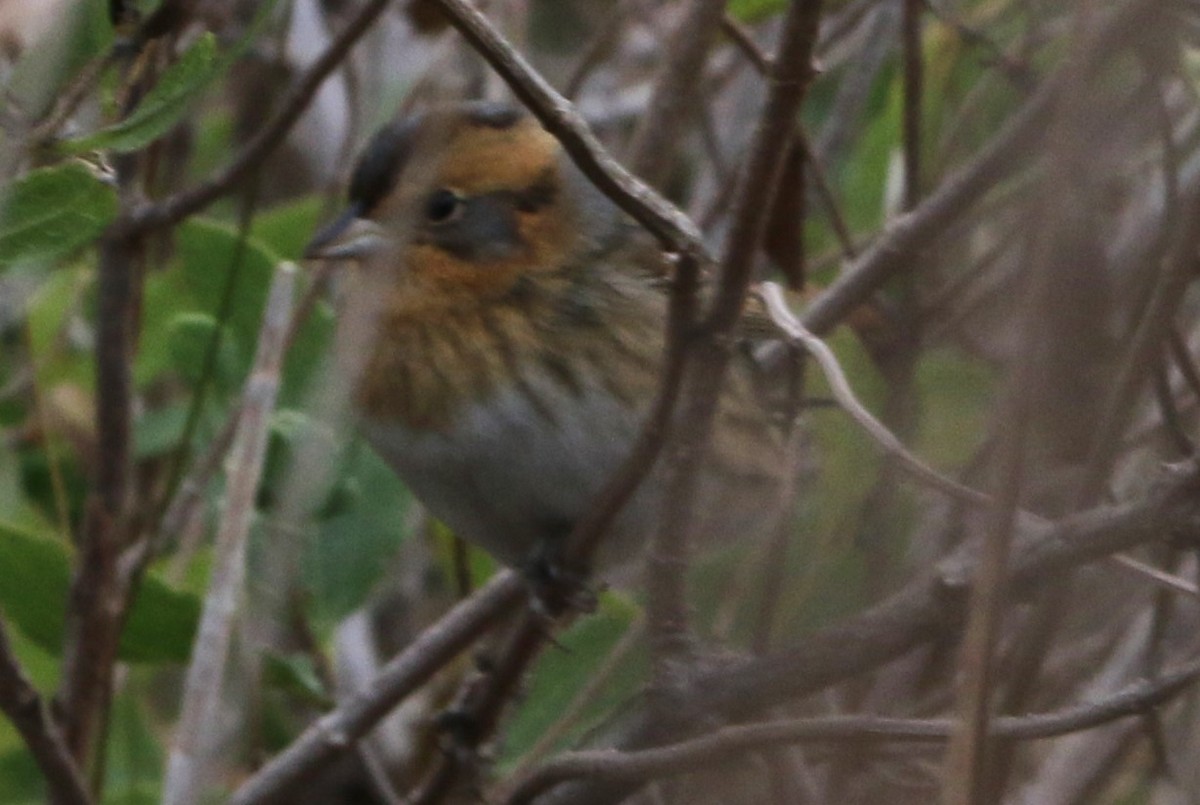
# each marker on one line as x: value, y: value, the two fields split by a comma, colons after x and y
x: 517, y: 340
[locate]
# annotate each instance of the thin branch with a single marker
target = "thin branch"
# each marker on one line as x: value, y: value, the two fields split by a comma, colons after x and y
x: 24, y: 707
x: 482, y: 705
x: 187, y: 202
x: 773, y: 295
x: 332, y: 734
x: 762, y: 63
x: 666, y: 607
x: 202, y: 688
x: 1153, y: 330
x: 744, y: 41
x: 1008, y: 151
x: 929, y: 609
x: 723, y: 744
x: 70, y: 98
x: 663, y: 219
x: 1165, y: 580
x: 913, y: 86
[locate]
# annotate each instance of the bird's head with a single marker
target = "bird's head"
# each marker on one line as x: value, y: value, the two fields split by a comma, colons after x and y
x: 465, y: 199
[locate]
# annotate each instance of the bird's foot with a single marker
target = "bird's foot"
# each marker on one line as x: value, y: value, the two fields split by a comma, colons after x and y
x: 556, y: 588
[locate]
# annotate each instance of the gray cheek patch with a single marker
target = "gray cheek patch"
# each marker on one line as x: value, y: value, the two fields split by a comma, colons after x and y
x: 486, y: 230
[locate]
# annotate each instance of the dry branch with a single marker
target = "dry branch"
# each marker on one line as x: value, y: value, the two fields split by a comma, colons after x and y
x: 202, y: 688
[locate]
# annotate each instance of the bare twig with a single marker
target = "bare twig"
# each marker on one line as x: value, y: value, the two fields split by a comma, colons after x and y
x: 1007, y: 152
x: 177, y: 207
x: 666, y: 607
x: 71, y: 97
x: 484, y: 701
x: 928, y: 608
x: 721, y: 745
x: 24, y: 707
x: 337, y: 730
x: 561, y: 119
x: 1165, y: 580
x: 782, y: 315
x: 744, y: 41
x: 202, y: 688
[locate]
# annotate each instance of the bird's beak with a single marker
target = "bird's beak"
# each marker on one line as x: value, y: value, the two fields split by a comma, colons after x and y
x: 348, y: 237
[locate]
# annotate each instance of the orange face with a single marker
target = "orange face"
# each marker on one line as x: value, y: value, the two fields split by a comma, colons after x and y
x: 470, y: 204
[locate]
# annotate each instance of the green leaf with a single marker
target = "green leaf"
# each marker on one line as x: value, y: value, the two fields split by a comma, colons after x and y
x: 209, y: 251
x: 33, y: 594
x: 563, y: 671
x: 134, y: 750
x: 21, y: 781
x: 296, y: 676
x: 189, y: 336
x: 158, y: 431
x: 956, y: 396
x: 287, y: 228
x: 754, y: 10
x: 51, y: 212
x: 354, y: 546
x: 163, y: 106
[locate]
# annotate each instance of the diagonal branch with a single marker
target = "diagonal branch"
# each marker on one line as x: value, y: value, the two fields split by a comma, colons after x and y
x: 336, y: 731
x: 187, y: 202
x: 659, y: 216
x: 24, y: 706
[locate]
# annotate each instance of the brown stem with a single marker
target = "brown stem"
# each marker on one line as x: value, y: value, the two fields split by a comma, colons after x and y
x: 24, y: 707
x: 337, y: 730
x: 728, y: 742
x: 97, y: 601
x: 187, y: 202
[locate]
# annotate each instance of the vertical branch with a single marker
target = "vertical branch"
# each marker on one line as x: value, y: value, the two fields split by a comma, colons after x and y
x: 654, y: 149
x: 966, y: 753
x: 96, y: 607
x: 913, y: 88
x: 1059, y: 254
x: 202, y: 688
x: 897, y: 348
x: 708, y: 356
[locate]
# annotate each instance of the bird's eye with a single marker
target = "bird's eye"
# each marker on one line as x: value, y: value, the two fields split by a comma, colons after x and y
x: 442, y: 205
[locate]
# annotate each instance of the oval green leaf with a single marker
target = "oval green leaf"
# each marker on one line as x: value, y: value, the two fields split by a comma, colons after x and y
x: 51, y: 212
